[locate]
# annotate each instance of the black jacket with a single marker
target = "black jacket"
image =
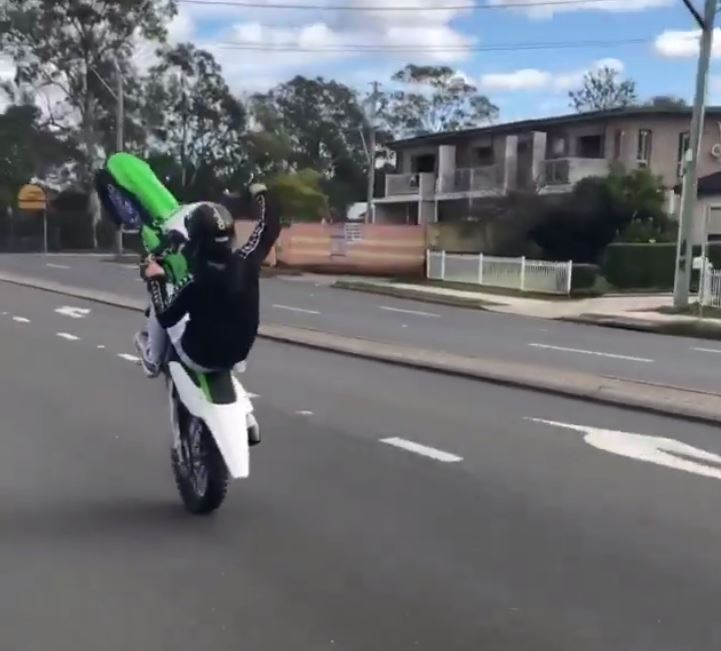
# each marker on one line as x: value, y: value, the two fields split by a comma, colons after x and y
x: 222, y: 300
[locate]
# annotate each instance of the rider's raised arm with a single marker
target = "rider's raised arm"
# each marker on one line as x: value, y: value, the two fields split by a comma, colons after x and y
x: 266, y: 231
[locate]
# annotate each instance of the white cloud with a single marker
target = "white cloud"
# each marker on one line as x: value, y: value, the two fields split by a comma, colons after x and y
x: 524, y: 79
x: 533, y: 79
x: 679, y: 44
x: 541, y: 8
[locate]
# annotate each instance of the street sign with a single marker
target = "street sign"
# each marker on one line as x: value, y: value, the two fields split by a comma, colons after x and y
x: 32, y: 197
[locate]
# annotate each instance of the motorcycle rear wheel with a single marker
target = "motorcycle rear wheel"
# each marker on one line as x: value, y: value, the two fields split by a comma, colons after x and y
x: 201, y: 475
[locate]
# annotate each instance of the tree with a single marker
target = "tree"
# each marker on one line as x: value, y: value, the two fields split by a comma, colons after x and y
x: 602, y: 89
x: 26, y: 150
x: 580, y: 225
x: 667, y: 102
x: 299, y: 195
x: 436, y: 99
x: 320, y: 123
x: 64, y: 44
x: 195, y: 119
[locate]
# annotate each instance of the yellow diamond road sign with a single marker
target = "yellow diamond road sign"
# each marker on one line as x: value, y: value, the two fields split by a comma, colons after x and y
x: 32, y: 197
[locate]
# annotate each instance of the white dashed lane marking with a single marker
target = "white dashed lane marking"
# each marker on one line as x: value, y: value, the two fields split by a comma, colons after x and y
x: 73, y: 312
x: 21, y: 319
x: 424, y: 450
x: 595, y: 353
x: 387, y: 308
x: 290, y: 308
x: 67, y: 335
x: 56, y: 266
x: 128, y: 358
x: 304, y: 412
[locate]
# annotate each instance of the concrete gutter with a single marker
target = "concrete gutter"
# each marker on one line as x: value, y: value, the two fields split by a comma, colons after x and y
x: 680, y: 402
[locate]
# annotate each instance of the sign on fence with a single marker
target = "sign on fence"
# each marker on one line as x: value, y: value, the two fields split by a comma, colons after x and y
x: 32, y: 198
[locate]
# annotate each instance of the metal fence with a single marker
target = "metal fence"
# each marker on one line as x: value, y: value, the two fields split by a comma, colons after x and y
x: 509, y: 273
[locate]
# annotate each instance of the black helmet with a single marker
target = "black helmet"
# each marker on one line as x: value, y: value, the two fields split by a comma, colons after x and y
x: 210, y: 231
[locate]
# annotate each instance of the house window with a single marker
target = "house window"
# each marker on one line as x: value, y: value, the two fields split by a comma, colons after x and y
x: 617, y: 144
x: 590, y: 146
x: 643, y: 153
x: 483, y: 156
x: 558, y: 147
x: 424, y: 163
x: 684, y: 140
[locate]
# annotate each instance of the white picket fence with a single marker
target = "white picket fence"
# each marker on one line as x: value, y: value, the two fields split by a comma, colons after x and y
x: 509, y: 273
x: 709, y: 288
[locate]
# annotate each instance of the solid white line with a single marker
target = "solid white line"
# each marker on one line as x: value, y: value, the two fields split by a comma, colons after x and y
x: 592, y: 352
x: 416, y: 312
x: 433, y: 453
x: 56, y: 266
x: 67, y: 335
x: 21, y: 319
x: 707, y: 350
x: 129, y: 358
x: 294, y: 309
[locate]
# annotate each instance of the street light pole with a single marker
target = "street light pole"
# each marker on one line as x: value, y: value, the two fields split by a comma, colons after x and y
x: 370, y: 208
x: 119, y: 140
x: 689, y: 187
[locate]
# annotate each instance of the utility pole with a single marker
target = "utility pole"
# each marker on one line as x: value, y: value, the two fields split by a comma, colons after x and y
x: 370, y: 208
x: 690, y: 177
x: 119, y: 140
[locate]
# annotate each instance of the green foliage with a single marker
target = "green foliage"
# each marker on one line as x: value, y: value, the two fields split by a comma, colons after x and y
x: 436, y: 99
x: 640, y: 266
x: 603, y: 89
x: 578, y: 227
x: 299, y: 196
x: 67, y: 44
x: 195, y: 116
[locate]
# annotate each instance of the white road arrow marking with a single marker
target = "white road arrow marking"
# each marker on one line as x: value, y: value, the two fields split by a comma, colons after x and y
x: 74, y: 312
x: 652, y: 449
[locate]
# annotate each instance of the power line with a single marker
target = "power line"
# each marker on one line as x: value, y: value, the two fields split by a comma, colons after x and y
x: 242, y: 4
x: 498, y: 47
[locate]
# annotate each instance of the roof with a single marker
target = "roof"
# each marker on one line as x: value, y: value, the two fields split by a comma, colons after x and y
x: 545, y: 123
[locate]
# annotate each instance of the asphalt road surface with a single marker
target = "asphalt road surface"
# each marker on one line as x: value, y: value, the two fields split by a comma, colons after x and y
x: 310, y: 302
x: 386, y: 509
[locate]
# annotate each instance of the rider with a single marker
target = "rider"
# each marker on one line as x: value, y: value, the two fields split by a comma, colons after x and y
x: 212, y: 315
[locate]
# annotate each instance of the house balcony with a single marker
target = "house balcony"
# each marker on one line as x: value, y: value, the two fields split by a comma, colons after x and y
x: 471, y: 181
x: 561, y: 174
x: 408, y: 187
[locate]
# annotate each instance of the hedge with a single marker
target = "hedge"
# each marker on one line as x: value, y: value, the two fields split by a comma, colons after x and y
x: 648, y: 266
x: 639, y: 266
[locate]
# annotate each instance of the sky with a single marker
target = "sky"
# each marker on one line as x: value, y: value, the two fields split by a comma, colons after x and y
x: 653, y: 42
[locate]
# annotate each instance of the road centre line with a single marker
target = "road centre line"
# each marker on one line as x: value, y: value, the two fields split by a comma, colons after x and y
x: 56, y: 266
x: 596, y: 353
x: 402, y: 311
x: 707, y: 350
x: 67, y: 335
x: 424, y: 450
x: 290, y: 308
x: 129, y: 358
x: 21, y: 319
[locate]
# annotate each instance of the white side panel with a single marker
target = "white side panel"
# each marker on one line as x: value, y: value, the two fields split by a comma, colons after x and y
x: 227, y: 423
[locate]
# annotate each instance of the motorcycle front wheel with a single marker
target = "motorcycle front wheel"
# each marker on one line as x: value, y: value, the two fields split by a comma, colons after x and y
x: 200, y: 472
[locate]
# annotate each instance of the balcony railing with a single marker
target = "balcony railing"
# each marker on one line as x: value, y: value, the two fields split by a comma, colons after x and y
x: 471, y: 179
x: 420, y: 183
x: 568, y: 171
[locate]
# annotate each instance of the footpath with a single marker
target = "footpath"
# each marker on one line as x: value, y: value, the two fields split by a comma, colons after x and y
x: 642, y: 312
x: 672, y: 401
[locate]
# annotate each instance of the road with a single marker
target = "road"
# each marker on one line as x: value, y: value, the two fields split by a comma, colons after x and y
x: 675, y: 361
x: 505, y: 533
